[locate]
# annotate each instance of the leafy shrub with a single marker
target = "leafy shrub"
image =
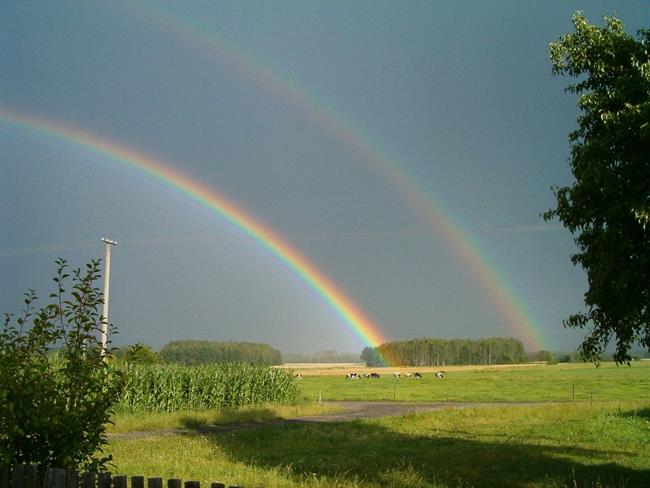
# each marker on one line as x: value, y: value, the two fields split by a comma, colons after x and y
x: 53, y: 407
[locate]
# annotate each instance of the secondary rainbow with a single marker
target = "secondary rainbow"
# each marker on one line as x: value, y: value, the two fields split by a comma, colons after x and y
x: 332, y: 294
x: 460, y: 242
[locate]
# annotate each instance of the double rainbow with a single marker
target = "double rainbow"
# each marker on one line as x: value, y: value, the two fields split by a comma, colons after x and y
x: 495, y: 285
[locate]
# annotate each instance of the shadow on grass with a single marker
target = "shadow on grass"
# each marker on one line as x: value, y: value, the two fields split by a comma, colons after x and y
x: 227, y: 417
x: 369, y: 452
x: 640, y: 413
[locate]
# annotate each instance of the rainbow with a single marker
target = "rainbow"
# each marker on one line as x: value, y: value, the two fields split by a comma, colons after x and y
x: 519, y: 321
x: 332, y: 294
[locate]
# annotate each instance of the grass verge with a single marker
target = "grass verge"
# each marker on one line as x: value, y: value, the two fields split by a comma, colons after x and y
x: 123, y: 422
x: 575, y: 444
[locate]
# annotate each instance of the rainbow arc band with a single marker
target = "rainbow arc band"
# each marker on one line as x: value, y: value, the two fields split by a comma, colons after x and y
x: 332, y: 294
x: 516, y: 317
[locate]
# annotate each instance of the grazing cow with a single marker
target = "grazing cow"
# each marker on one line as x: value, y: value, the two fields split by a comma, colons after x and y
x: 366, y: 375
x: 396, y: 374
x: 352, y: 376
x: 408, y: 375
x: 417, y: 375
x: 374, y: 375
x: 298, y: 376
x: 440, y: 374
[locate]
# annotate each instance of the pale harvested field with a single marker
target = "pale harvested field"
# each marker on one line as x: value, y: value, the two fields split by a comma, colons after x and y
x: 335, y: 369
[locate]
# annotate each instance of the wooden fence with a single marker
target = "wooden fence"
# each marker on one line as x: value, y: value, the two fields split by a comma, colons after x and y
x: 27, y: 476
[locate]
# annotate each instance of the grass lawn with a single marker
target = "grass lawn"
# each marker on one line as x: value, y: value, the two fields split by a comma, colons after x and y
x: 536, y: 446
x: 545, y: 383
x: 587, y: 443
x: 193, y: 419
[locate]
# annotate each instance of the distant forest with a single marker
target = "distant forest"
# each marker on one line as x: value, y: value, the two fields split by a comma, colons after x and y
x: 322, y: 357
x: 210, y: 352
x: 441, y: 352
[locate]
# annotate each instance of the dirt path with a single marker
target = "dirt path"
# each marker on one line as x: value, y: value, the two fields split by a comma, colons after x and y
x: 349, y: 411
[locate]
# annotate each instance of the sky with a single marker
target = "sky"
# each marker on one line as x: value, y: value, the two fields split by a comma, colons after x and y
x: 311, y: 175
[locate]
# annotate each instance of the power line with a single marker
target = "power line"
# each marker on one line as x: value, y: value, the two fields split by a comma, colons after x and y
x: 326, y: 236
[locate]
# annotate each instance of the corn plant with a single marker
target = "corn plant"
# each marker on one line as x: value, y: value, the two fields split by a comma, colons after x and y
x: 167, y: 388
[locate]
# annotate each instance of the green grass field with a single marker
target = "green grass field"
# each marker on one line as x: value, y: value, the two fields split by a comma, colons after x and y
x: 539, y: 383
x: 591, y: 443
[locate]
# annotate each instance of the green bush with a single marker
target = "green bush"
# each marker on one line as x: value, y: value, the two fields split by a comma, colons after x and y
x: 53, y: 407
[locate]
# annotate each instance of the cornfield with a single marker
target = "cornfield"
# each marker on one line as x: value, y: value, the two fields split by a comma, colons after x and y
x: 167, y: 388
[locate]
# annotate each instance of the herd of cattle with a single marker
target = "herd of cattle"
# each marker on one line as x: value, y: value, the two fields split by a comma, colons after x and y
x: 396, y: 374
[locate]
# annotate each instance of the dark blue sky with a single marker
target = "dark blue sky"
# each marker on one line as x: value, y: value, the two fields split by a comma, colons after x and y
x: 457, y: 96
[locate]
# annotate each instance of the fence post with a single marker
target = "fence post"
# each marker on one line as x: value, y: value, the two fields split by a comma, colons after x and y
x: 217, y: 485
x: 174, y: 483
x: 4, y: 476
x: 104, y: 480
x: 119, y: 481
x: 55, y: 478
x: 192, y: 484
x: 88, y: 480
x: 137, y: 481
x: 154, y: 483
x: 31, y: 476
x: 18, y: 476
x: 73, y: 479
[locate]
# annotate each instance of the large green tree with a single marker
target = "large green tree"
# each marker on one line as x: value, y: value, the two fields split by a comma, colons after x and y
x: 607, y: 208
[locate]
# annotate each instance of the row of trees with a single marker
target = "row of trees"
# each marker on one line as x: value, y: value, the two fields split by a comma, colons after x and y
x: 441, y: 352
x: 322, y: 357
x: 210, y: 352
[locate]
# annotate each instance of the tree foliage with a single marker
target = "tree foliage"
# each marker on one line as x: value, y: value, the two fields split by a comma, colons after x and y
x: 53, y: 407
x: 607, y: 208
x: 138, y: 353
x: 321, y: 357
x: 211, y: 352
x: 372, y: 357
x: 441, y: 352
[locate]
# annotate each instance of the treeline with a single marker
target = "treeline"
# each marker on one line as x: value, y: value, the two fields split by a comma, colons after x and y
x: 554, y: 357
x: 321, y: 357
x: 192, y: 352
x: 441, y: 352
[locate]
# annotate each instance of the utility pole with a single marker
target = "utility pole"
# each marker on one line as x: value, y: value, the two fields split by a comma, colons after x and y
x: 107, y: 276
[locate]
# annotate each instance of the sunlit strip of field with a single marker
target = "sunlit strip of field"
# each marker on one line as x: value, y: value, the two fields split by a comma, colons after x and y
x: 341, y: 369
